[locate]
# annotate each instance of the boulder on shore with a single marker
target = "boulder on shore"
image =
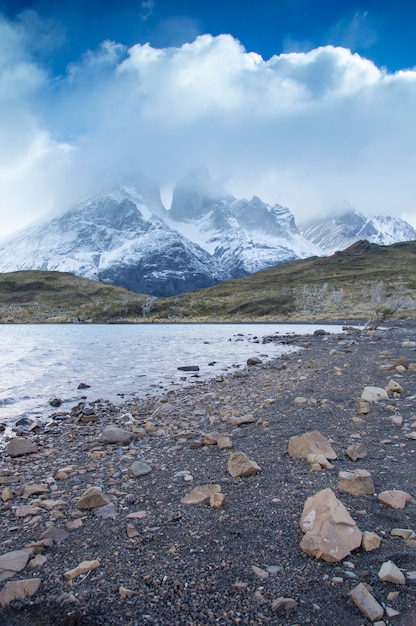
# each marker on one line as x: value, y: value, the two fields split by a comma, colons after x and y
x: 313, y: 442
x: 330, y: 532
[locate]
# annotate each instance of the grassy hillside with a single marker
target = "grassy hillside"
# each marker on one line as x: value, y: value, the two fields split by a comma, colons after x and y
x: 352, y: 284
x: 39, y: 297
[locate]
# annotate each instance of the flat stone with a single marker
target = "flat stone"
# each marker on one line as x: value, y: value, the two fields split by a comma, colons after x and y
x: 366, y: 603
x: 374, y: 394
x: 390, y: 612
x: 310, y: 443
x: 283, y: 604
x: 33, y: 489
x: 395, y: 498
x: 262, y: 573
x: 404, y: 533
x: 75, y: 524
x: 356, y: 451
x: 139, y: 468
x: 224, y: 442
x: 83, y: 568
x: 396, y: 420
x: 26, y: 509
x: 92, y: 498
x: 137, y: 515
x: 38, y: 561
x: 390, y: 573
x: 357, y: 482
x: 240, y: 465
x: 371, y: 541
x: 330, y: 532
x: 13, y: 562
x: 200, y: 494
x: 108, y: 511
x: 239, y: 420
x: 19, y: 590
x: 58, y: 535
x: 113, y: 435
x: 20, y: 446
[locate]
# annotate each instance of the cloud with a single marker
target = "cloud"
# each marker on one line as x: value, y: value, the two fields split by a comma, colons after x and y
x: 147, y: 9
x: 356, y: 32
x: 311, y: 130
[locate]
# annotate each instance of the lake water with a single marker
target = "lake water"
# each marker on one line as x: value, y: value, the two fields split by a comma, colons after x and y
x: 38, y: 362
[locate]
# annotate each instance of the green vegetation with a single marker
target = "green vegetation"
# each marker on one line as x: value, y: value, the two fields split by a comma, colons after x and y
x: 58, y: 297
x: 353, y: 284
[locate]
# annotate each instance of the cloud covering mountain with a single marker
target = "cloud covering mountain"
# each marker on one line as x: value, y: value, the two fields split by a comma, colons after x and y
x: 307, y: 129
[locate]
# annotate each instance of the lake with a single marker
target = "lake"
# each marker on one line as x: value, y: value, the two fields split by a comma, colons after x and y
x: 38, y: 362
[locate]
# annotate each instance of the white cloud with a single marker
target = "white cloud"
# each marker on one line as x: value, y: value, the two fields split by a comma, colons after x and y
x: 310, y: 130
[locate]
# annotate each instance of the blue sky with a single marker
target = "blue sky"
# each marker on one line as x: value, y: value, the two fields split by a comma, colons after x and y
x: 307, y: 103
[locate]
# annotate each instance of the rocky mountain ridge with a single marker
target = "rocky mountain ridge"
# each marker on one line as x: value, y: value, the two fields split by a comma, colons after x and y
x: 332, y: 233
x: 126, y: 237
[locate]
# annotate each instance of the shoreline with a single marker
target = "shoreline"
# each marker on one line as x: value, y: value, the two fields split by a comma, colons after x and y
x: 191, y: 564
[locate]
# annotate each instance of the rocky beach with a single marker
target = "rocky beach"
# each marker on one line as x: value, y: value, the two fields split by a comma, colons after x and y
x: 281, y: 494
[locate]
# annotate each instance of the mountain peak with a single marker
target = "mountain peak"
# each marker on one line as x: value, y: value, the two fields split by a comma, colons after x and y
x: 194, y: 195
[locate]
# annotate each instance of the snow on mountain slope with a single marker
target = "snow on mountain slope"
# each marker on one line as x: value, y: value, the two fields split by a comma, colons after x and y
x: 334, y: 233
x: 109, y: 239
x: 245, y: 236
x: 126, y: 236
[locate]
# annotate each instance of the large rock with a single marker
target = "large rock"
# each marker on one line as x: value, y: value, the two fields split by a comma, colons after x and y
x: 310, y: 443
x: 330, y: 532
x: 113, y: 434
x: 240, y: 465
x: 92, y: 498
x: 374, y: 394
x: 20, y: 446
x: 357, y: 482
x: 13, y: 562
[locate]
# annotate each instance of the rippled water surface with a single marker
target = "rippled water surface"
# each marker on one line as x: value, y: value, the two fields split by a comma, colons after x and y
x: 38, y: 362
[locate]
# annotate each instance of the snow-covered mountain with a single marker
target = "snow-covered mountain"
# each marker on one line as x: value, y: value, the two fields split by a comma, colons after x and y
x: 125, y: 236
x: 332, y: 233
x: 118, y: 240
x: 129, y: 239
x: 245, y: 236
